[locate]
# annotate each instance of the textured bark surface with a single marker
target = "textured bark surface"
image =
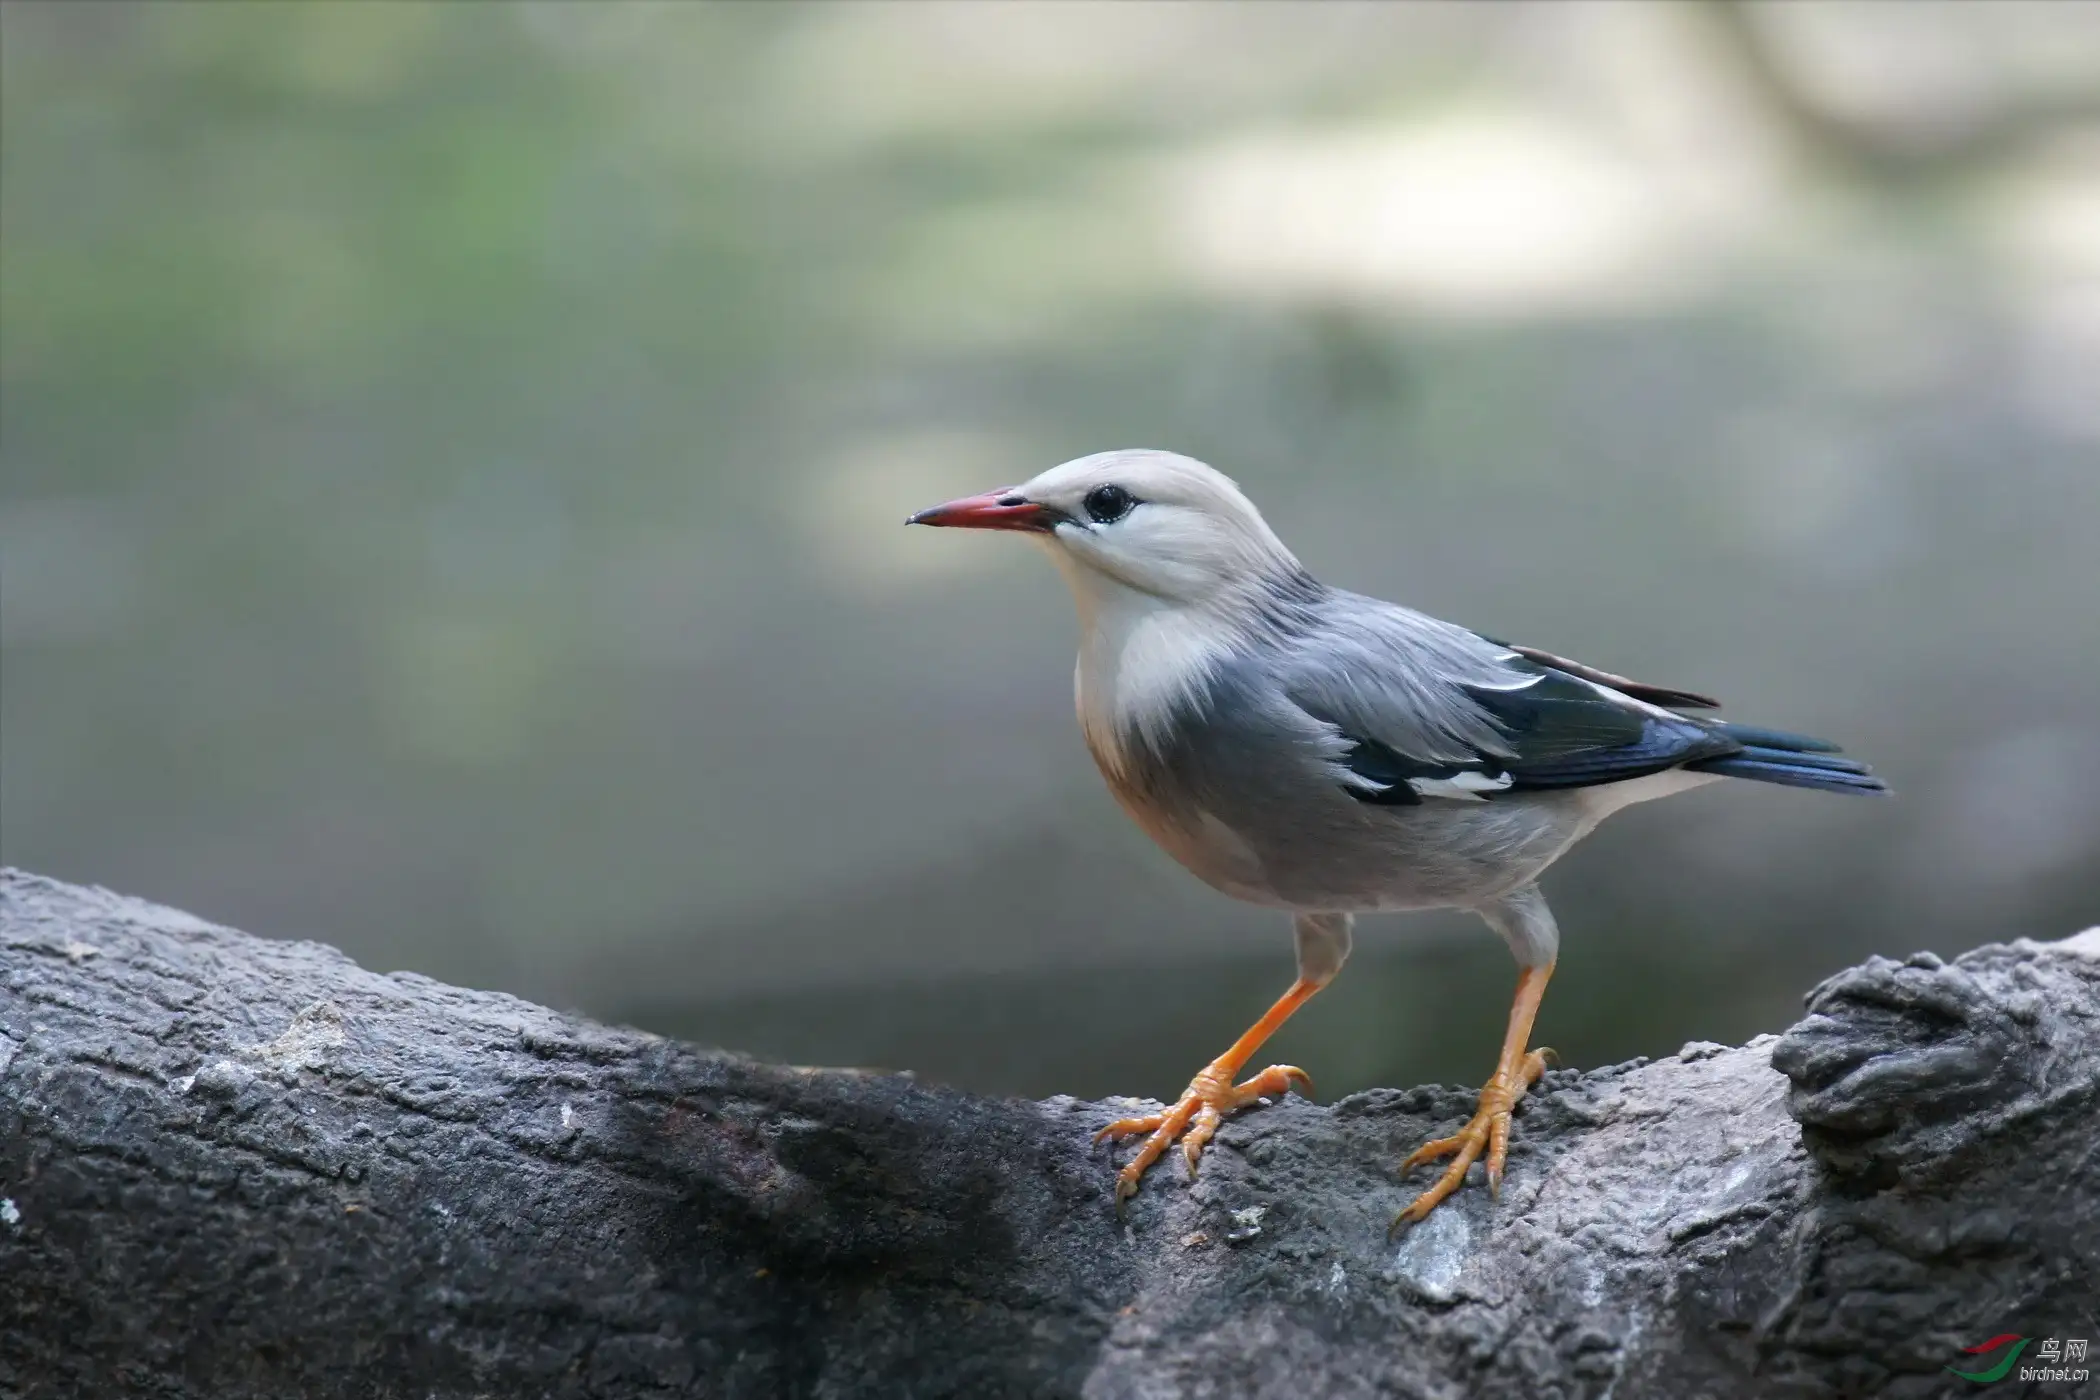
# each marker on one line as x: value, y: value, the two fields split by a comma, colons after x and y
x: 234, y: 1167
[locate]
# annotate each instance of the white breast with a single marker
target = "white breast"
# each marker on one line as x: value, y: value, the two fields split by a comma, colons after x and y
x: 1141, y: 659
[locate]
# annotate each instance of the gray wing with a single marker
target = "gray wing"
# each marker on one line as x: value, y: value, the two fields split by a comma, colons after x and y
x: 1423, y: 708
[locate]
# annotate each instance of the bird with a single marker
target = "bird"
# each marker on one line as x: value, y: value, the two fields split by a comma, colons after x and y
x: 1328, y: 754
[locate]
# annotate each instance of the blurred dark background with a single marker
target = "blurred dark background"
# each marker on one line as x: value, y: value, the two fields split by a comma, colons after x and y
x: 452, y: 458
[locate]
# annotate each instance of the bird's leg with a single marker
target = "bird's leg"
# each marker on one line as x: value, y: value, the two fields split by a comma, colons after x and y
x: 1210, y: 1096
x: 1515, y: 1072
x: 1323, y: 943
x: 1526, y: 925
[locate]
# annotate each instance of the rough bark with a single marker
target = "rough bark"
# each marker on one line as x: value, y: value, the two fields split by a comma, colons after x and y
x: 236, y: 1167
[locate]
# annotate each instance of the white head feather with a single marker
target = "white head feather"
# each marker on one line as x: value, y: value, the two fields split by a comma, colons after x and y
x: 1163, y: 588
x: 1188, y: 537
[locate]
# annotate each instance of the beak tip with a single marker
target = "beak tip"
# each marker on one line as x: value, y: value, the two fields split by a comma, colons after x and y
x: 994, y: 510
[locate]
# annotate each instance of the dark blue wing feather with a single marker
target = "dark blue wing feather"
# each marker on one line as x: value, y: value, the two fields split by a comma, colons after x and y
x: 1567, y: 732
x: 1559, y: 731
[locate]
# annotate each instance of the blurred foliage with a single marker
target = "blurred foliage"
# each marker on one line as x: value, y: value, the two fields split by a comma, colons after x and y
x: 450, y: 459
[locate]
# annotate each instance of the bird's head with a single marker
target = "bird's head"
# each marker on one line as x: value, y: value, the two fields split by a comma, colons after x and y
x: 1135, y: 521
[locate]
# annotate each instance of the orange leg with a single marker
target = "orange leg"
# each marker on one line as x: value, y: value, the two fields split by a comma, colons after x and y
x: 1515, y: 1072
x: 1211, y: 1095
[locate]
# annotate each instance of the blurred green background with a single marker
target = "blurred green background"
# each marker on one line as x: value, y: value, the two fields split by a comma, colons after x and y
x: 452, y: 458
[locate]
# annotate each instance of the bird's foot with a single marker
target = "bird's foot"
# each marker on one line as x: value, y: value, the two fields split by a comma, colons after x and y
x: 1487, y: 1130
x: 1195, y: 1117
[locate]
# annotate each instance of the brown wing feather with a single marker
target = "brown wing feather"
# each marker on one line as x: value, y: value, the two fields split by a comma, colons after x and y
x: 1665, y: 696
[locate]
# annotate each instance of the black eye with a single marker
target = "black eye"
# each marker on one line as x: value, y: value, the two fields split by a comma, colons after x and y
x: 1109, y: 503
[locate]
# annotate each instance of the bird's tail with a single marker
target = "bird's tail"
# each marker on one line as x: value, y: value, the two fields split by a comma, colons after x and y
x: 1791, y: 760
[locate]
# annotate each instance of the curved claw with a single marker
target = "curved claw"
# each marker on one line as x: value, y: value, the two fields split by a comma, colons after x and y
x: 1129, y: 1127
x: 1200, y: 1132
x: 1464, y: 1149
x: 1486, y: 1133
x: 1195, y: 1119
x: 1498, y: 1149
x: 1432, y: 1150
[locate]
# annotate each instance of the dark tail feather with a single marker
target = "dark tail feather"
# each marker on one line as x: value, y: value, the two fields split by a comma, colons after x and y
x: 1789, y: 775
x: 1750, y: 734
x: 1790, y: 760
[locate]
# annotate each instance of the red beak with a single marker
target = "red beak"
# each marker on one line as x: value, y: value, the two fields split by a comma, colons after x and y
x: 994, y: 510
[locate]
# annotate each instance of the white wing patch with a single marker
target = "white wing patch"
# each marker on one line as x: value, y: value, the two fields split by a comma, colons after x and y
x: 1465, y: 786
x: 1508, y: 680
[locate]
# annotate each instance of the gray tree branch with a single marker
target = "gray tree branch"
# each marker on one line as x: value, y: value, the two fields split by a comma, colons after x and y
x: 242, y: 1168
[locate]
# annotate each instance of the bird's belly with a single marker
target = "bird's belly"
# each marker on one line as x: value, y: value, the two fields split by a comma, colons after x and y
x: 1341, y: 854
x: 1205, y: 846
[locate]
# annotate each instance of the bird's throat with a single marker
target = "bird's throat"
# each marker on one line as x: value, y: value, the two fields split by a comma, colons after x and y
x: 1145, y: 665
